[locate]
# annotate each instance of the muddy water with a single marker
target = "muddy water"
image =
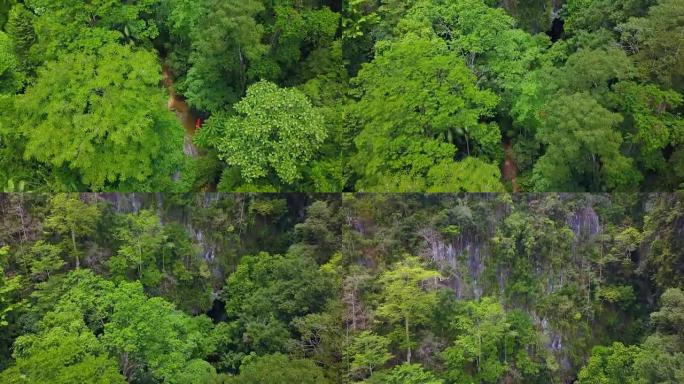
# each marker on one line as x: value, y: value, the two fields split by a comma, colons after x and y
x: 510, y: 168
x: 184, y: 113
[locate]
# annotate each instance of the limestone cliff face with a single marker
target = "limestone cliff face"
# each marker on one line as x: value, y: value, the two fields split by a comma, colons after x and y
x: 475, y: 264
x: 134, y: 202
x: 463, y: 257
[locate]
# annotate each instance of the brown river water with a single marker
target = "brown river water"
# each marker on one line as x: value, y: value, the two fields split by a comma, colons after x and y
x: 184, y: 113
x: 510, y: 168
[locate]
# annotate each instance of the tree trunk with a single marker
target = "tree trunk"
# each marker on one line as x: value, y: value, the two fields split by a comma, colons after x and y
x: 479, y: 349
x: 127, y: 368
x: 243, y: 72
x: 353, y: 310
x: 139, y: 261
x: 73, y: 243
x: 408, y: 341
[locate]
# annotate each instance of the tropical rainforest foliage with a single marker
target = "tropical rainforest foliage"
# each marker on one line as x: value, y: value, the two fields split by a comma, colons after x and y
x: 294, y: 288
x: 331, y: 96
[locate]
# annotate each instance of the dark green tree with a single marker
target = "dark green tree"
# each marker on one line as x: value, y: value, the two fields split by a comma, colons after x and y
x: 278, y: 369
x: 582, y: 148
x: 20, y: 29
x: 417, y: 104
x: 224, y: 44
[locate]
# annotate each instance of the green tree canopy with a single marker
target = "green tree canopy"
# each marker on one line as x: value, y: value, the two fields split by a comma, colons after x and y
x: 417, y: 103
x: 582, y: 148
x: 95, y: 328
x: 72, y: 218
x: 274, y: 135
x: 264, y: 297
x: 278, y: 369
x: 406, y: 374
x: 406, y: 304
x: 491, y: 344
x: 102, y: 116
x: 150, y: 336
x: 64, y: 351
x: 11, y: 78
x: 76, y: 26
x: 9, y: 285
x: 224, y: 44
x: 659, y: 359
x: 611, y: 365
x: 656, y: 40
x: 142, y: 241
x: 368, y: 352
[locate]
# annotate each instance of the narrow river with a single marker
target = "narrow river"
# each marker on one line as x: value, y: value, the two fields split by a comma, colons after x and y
x: 188, y: 119
x: 510, y: 168
x: 184, y: 113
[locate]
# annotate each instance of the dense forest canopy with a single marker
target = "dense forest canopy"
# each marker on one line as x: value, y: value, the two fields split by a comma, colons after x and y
x: 332, y: 96
x: 530, y: 148
x: 257, y: 288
